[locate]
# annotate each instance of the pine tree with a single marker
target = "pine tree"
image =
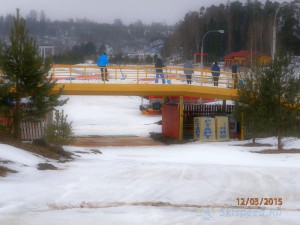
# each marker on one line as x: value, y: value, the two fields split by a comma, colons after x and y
x: 25, y: 75
x: 248, y: 101
x: 60, y: 132
x: 280, y: 91
x: 269, y: 100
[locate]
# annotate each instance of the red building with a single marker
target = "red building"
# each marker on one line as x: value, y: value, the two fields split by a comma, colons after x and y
x: 197, y: 57
x: 244, y: 57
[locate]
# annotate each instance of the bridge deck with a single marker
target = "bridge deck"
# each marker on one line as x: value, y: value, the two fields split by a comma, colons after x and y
x: 147, y: 90
x: 140, y: 81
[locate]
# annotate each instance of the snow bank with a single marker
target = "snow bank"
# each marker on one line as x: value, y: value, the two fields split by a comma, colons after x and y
x: 18, y: 156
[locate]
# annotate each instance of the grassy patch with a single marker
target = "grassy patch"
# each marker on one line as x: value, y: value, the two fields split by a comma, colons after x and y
x: 168, y: 141
x: 272, y: 151
x: 46, y: 166
x: 255, y: 145
x: 4, y: 171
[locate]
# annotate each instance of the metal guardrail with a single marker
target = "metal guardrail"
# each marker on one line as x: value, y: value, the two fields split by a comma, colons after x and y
x: 135, y: 75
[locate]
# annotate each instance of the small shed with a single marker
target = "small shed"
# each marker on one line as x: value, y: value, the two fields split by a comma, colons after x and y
x: 197, y: 57
x: 244, y: 57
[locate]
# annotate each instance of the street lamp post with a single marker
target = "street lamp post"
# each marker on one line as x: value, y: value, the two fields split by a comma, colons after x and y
x: 274, y: 27
x: 274, y: 31
x: 218, y: 31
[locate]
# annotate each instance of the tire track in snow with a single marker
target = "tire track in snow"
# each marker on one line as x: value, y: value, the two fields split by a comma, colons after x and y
x: 96, y: 205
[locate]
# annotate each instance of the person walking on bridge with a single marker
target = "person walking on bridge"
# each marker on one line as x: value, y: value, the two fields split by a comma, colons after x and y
x: 188, y: 70
x: 234, y: 70
x: 215, y: 71
x: 103, y: 63
x: 159, y: 70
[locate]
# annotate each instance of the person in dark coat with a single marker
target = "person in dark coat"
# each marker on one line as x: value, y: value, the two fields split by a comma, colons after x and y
x: 234, y: 70
x: 103, y: 63
x: 159, y: 70
x: 188, y: 70
x: 215, y: 71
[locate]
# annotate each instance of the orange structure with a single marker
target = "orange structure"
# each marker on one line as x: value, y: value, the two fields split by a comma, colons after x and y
x: 197, y: 56
x: 154, y: 107
x: 244, y: 57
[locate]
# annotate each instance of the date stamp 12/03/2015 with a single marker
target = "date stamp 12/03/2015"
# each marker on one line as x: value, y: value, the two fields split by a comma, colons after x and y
x: 259, y: 201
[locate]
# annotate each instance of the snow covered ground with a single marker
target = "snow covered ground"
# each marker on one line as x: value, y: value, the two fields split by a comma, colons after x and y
x: 109, y: 115
x: 193, y: 183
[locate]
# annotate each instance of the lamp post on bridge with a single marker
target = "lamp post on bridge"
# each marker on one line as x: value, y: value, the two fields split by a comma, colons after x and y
x: 211, y: 31
x: 274, y: 30
x: 275, y: 25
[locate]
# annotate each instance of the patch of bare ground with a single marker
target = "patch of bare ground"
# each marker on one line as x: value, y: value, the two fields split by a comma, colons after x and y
x: 272, y: 151
x: 255, y: 145
x: 4, y: 171
x: 41, y: 148
x: 102, y: 141
x: 91, y: 151
x: 166, y: 140
x: 46, y: 166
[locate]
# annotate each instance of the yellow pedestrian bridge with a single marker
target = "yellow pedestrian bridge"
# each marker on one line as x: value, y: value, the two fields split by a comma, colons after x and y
x: 141, y: 81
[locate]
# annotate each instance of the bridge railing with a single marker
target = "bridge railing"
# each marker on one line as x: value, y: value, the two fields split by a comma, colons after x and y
x: 136, y: 75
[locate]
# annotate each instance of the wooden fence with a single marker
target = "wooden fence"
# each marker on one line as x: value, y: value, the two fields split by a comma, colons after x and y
x: 31, y: 131
x: 194, y: 110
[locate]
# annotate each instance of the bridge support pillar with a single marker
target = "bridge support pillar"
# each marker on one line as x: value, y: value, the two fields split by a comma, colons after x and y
x: 242, y: 128
x: 224, y: 106
x: 181, y: 118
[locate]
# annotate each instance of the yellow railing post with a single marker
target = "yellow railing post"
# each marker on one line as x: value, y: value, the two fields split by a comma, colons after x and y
x: 53, y: 72
x: 242, y: 128
x: 138, y: 75
x: 232, y: 80
x: 167, y: 76
x: 70, y: 70
x: 146, y: 74
x: 104, y: 75
x: 201, y: 77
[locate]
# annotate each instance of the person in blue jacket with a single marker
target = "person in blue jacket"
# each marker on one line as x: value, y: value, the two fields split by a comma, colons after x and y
x: 215, y: 71
x: 103, y: 63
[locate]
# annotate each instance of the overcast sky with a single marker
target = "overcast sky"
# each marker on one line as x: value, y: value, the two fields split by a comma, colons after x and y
x: 106, y: 11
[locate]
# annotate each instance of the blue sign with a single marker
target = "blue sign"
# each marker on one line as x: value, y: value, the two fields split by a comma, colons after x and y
x: 223, y: 133
x: 207, y: 130
x: 197, y: 125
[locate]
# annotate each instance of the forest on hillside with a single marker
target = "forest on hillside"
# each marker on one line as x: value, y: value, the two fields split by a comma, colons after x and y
x: 74, y: 34
x: 247, y: 26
